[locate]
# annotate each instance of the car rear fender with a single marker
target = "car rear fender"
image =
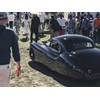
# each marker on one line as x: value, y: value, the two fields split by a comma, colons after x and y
x: 70, y: 60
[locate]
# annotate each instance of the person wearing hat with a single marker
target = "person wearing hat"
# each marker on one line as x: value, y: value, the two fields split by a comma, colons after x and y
x: 8, y: 41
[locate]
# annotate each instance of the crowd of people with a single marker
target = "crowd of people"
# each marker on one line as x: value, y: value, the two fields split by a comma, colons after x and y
x: 83, y: 23
x: 30, y: 22
x: 77, y: 23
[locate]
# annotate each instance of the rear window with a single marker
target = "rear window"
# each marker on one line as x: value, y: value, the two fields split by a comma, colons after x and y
x: 81, y: 45
x: 78, y: 46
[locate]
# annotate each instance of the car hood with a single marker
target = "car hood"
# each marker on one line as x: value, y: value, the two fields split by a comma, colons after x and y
x: 89, y: 59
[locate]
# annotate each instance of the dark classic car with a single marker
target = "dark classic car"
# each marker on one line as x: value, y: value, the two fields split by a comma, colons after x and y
x: 73, y: 55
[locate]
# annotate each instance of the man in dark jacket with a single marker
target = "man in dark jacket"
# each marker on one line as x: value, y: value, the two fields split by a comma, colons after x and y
x: 8, y: 40
x: 55, y: 27
x: 34, y: 27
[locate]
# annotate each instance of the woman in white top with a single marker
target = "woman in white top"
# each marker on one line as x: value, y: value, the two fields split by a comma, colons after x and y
x: 25, y: 25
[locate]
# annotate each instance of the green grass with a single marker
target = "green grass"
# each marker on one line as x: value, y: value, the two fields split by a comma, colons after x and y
x: 30, y: 77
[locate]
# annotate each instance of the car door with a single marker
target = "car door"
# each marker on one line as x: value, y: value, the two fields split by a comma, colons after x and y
x: 53, y: 57
x: 55, y: 50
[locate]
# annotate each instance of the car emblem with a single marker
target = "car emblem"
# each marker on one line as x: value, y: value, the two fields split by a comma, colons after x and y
x: 89, y: 71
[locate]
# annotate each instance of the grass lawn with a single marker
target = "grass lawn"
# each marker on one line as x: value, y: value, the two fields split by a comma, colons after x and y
x: 30, y: 77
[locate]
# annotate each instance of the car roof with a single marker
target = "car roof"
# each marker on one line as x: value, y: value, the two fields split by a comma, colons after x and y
x: 66, y: 40
x: 72, y: 37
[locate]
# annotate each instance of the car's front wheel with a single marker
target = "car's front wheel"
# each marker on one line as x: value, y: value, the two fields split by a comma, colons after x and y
x: 32, y: 55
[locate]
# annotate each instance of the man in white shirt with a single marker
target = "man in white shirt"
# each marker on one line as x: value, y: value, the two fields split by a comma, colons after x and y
x: 11, y: 18
x: 61, y: 20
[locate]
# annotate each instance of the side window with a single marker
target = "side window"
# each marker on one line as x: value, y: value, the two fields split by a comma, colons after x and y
x: 56, y: 47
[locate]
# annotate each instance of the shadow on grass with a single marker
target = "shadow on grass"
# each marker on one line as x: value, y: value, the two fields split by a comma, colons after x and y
x: 44, y: 42
x: 46, y: 32
x: 24, y: 40
x: 41, y: 35
x: 62, y: 79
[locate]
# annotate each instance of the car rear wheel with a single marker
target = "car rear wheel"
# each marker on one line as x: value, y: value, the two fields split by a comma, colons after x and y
x: 32, y: 55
